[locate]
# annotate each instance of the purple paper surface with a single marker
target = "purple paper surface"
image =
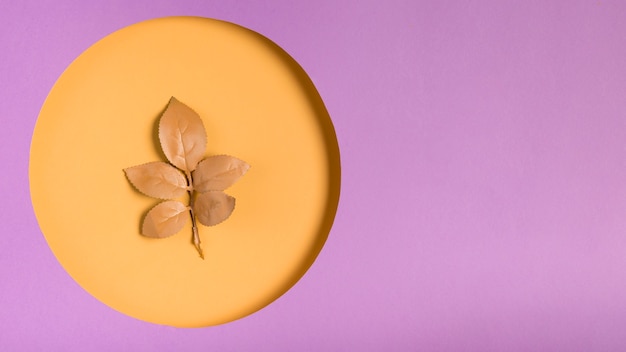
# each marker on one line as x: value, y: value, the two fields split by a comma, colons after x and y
x: 483, y: 203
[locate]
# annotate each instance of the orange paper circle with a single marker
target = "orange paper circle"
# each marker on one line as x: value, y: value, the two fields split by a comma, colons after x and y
x: 256, y: 103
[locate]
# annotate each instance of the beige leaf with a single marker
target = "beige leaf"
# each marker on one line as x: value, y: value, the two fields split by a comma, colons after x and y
x: 158, y: 180
x: 216, y: 173
x: 182, y: 135
x: 213, y: 207
x: 165, y: 219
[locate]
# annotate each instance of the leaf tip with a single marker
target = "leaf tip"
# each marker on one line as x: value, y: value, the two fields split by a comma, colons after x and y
x: 245, y: 167
x: 129, y: 176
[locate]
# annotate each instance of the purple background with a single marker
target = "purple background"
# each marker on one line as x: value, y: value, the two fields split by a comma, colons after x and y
x: 483, y: 202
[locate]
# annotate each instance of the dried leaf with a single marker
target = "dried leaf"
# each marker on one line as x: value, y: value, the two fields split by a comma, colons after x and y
x: 182, y: 135
x: 165, y: 219
x: 183, y: 140
x: 213, y: 207
x: 158, y: 180
x: 216, y: 173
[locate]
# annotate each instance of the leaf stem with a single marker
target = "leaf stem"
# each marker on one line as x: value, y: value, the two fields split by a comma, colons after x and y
x: 194, y: 227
